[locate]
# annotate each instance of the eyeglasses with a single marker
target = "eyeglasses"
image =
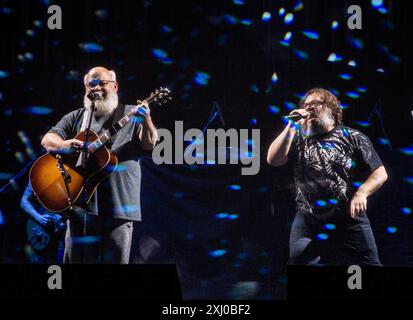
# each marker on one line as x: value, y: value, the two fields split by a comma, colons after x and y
x: 98, y: 82
x: 312, y: 104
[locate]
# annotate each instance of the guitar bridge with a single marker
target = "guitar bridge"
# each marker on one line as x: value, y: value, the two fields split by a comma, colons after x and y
x: 66, y: 178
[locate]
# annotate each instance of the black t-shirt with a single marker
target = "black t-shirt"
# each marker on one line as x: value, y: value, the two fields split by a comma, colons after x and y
x: 329, y: 168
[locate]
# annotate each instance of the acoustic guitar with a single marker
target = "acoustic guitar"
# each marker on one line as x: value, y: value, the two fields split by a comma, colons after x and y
x: 57, y: 179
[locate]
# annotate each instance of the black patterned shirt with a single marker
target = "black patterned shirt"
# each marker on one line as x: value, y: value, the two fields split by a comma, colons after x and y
x: 329, y: 168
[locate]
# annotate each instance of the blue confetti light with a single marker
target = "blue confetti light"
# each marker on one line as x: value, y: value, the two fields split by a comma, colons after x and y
x: 380, y: 70
x: 28, y: 56
x: 288, y: 35
x: 3, y: 74
x: 409, y: 179
x: 355, y: 42
x: 345, y: 76
x: 38, y: 23
x: 254, y: 88
x: 330, y: 226
x: 376, y: 3
x: 334, y: 57
x: 6, y: 10
x: 38, y: 110
x: 266, y: 16
x: 233, y: 216
x: 311, y: 34
x: 298, y: 6
x: 391, y: 229
x: 201, y: 78
x: 230, y: 19
x: 408, y: 151
x: 301, y: 54
x: 289, y: 18
x: 334, y: 25
x: 162, y: 56
x: 406, y: 210
x: 364, y: 124
x: 30, y: 33
x: 1, y: 218
x: 239, y: 2
x: 320, y: 203
x: 352, y: 63
x: 382, y: 10
x: 383, y: 48
x: 253, y: 121
x: 221, y: 215
x: 235, y: 187
x: 287, y: 38
x: 166, y: 29
x: 322, y: 236
x: 383, y: 141
x: 361, y: 89
x: 217, y: 253
x: 246, y: 22
x: 91, y: 47
x: 19, y: 157
x: 394, y: 58
x: 281, y: 12
x: 353, y: 94
x: 274, y: 78
x: 290, y: 105
x: 357, y: 184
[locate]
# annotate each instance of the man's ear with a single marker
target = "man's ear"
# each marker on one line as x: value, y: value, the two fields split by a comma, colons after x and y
x: 113, y: 74
x: 85, y: 80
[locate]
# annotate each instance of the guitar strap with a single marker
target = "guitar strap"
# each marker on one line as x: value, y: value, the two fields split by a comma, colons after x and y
x: 82, y: 128
x: 119, y: 113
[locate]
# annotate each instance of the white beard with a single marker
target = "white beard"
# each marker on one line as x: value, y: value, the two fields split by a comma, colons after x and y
x: 105, y: 106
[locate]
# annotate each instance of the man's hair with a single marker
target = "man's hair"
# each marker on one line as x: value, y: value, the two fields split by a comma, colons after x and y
x: 330, y: 101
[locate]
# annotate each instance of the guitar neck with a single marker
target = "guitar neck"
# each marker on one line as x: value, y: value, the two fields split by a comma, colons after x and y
x: 104, y: 138
x: 160, y: 96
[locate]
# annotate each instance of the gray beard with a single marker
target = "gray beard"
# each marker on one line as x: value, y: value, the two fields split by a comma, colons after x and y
x: 105, y: 106
x: 323, y: 122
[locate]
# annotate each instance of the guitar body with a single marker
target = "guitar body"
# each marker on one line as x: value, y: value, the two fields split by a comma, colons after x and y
x: 48, y: 183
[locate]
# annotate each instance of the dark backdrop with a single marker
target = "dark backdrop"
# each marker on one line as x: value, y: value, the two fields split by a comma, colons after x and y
x: 206, y: 52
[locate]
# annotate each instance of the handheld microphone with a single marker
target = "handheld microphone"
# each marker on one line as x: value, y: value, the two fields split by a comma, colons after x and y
x: 294, y: 117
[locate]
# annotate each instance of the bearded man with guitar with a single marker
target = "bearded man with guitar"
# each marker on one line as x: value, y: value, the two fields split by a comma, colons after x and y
x: 103, y: 209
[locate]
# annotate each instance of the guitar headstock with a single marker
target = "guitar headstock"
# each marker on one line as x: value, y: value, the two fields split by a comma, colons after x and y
x: 160, y: 96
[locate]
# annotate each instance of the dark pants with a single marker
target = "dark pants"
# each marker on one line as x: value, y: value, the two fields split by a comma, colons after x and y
x: 340, y: 240
x: 106, y: 240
